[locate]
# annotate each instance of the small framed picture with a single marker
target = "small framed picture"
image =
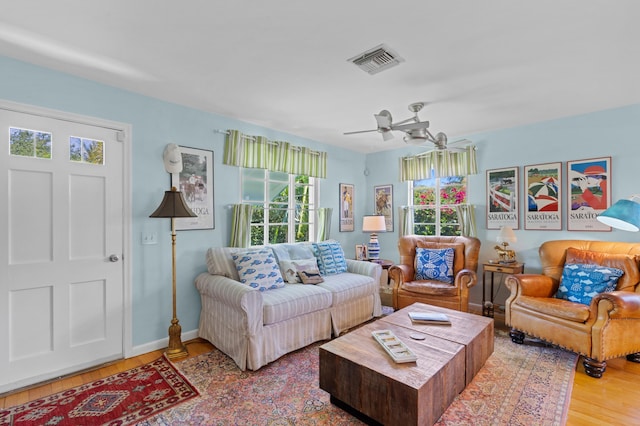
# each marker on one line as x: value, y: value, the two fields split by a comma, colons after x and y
x: 361, y: 252
x: 346, y: 194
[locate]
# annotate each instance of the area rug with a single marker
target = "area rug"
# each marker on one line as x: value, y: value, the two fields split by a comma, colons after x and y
x: 122, y: 399
x: 519, y: 385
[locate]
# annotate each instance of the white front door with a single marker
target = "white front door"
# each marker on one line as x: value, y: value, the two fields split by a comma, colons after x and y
x: 61, y: 246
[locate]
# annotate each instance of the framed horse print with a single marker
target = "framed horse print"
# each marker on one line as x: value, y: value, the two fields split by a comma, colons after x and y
x: 383, y: 204
x: 196, y: 184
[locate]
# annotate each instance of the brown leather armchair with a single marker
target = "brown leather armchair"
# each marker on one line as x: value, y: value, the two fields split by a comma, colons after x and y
x: 607, y: 328
x: 407, y: 290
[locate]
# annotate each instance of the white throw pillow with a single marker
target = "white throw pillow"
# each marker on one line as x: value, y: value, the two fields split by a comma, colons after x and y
x: 291, y: 268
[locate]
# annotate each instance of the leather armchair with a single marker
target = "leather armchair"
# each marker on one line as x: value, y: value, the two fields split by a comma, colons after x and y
x: 407, y: 290
x: 607, y: 328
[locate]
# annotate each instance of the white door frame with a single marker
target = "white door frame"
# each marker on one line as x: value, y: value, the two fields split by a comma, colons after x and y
x: 125, y: 131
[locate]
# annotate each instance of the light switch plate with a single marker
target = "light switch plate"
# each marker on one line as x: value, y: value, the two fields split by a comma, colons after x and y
x: 149, y: 238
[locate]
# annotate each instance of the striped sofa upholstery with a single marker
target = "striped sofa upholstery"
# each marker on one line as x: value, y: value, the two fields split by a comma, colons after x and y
x: 256, y: 327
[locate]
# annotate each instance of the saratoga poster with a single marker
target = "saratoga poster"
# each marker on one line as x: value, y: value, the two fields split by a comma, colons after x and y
x: 502, y: 198
x: 543, y: 183
x: 589, y: 193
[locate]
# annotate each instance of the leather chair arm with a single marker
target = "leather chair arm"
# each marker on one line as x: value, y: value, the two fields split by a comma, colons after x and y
x: 533, y: 285
x: 401, y: 273
x: 626, y: 304
x: 467, y: 278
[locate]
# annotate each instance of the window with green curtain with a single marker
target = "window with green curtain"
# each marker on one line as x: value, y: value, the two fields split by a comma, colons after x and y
x: 283, y: 206
x: 433, y: 205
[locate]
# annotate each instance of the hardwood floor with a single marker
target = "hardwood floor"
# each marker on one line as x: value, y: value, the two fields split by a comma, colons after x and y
x: 611, y: 400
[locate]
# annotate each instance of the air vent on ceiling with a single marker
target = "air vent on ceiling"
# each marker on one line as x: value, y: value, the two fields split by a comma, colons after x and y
x: 377, y: 59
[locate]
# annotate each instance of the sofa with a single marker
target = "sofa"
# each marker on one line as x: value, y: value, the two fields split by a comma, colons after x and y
x: 257, y: 321
x: 587, y: 300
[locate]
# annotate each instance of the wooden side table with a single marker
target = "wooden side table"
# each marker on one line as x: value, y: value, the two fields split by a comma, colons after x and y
x: 488, y: 306
x: 386, y: 290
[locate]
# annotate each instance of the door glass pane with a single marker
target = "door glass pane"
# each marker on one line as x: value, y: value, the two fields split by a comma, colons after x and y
x: 29, y: 143
x: 85, y: 150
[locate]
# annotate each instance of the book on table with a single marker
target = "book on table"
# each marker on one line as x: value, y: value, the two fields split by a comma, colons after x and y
x: 429, y: 318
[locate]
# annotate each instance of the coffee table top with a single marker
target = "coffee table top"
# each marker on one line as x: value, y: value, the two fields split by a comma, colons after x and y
x: 463, y: 329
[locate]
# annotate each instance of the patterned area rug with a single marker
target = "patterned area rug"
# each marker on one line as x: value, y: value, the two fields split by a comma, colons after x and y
x: 519, y: 385
x: 122, y: 399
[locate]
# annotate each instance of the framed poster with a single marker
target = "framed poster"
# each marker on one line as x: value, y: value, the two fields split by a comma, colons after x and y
x: 383, y: 204
x: 502, y: 198
x: 346, y: 207
x: 543, y: 183
x: 589, y: 183
x: 196, y: 184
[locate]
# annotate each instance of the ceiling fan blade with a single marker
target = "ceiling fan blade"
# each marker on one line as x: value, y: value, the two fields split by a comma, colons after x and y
x: 383, y: 119
x: 411, y: 126
x: 360, y: 131
x: 387, y: 135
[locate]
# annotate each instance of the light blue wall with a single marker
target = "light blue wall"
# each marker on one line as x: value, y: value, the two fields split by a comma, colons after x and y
x: 156, y: 123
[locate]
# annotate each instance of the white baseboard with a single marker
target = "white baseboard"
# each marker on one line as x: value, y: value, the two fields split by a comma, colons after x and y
x: 160, y: 344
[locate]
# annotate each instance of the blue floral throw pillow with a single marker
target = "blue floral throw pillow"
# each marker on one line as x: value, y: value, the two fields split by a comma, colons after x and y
x: 434, y: 264
x: 581, y: 282
x: 330, y: 257
x: 258, y: 269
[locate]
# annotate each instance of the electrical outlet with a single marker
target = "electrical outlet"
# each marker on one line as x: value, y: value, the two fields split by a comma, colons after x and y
x: 149, y: 238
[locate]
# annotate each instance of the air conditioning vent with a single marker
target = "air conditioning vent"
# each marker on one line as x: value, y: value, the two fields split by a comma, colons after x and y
x: 377, y: 59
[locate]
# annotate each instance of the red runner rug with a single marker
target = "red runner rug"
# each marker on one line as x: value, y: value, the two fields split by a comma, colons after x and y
x: 122, y: 399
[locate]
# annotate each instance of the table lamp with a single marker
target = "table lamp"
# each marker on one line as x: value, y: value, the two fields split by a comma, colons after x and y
x: 374, y: 224
x: 173, y: 205
x: 624, y: 214
x: 506, y: 236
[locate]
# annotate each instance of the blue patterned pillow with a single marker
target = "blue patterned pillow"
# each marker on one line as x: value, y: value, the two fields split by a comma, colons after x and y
x: 581, y: 282
x: 258, y: 269
x: 434, y: 264
x: 330, y: 257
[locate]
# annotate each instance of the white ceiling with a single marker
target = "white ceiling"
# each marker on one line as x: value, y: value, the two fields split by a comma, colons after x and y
x: 282, y: 64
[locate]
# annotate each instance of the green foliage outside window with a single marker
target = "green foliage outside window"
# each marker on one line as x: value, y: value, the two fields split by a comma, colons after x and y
x: 434, y: 203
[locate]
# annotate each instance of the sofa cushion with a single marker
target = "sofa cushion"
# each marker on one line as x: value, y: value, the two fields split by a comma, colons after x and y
x: 434, y: 264
x: 348, y: 286
x: 258, y: 269
x: 220, y: 262
x: 330, y: 257
x: 628, y: 263
x: 581, y: 282
x: 556, y: 308
x: 293, y: 300
x: 292, y: 268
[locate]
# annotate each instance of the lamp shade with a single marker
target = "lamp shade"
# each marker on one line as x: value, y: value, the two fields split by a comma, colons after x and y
x: 506, y: 235
x: 173, y: 205
x: 374, y: 224
x: 624, y: 214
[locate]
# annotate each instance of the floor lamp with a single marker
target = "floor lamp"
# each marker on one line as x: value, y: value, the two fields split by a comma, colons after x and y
x: 172, y: 206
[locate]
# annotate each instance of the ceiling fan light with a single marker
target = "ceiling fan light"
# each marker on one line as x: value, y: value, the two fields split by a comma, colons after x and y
x: 413, y: 140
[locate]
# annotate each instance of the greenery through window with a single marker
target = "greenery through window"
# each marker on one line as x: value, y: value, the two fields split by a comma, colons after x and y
x: 29, y: 143
x: 433, y: 204
x: 283, y: 206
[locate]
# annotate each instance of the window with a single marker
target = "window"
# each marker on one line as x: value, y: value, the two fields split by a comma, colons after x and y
x: 433, y: 204
x: 29, y: 143
x: 284, y: 206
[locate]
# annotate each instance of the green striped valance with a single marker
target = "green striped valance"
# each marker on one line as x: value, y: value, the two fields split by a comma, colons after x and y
x: 260, y: 153
x: 439, y: 163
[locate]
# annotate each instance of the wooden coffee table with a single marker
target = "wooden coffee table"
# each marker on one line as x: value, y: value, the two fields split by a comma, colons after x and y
x: 359, y: 374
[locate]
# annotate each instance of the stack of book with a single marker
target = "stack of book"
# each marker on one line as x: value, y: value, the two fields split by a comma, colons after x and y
x: 429, y: 318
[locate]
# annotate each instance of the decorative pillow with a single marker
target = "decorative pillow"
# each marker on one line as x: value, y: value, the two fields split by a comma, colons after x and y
x: 581, y: 282
x: 330, y: 257
x: 628, y: 263
x: 258, y: 269
x: 458, y: 251
x: 434, y: 264
x: 291, y: 268
x: 311, y: 277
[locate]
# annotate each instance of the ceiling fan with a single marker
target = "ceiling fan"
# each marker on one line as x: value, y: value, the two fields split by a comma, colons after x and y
x: 417, y: 132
